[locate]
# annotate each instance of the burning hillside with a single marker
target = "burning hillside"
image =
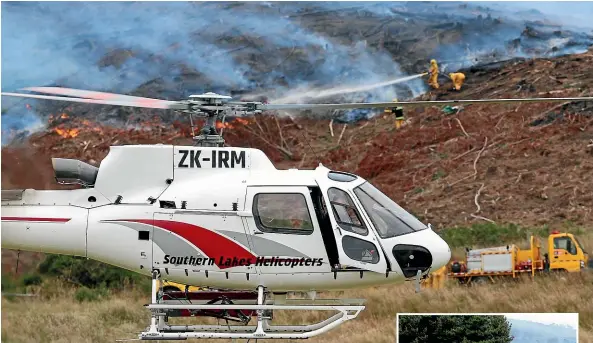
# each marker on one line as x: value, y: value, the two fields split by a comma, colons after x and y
x: 505, y: 163
x: 172, y: 50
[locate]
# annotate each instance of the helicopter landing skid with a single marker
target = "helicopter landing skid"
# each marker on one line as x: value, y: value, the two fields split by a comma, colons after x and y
x: 160, y: 329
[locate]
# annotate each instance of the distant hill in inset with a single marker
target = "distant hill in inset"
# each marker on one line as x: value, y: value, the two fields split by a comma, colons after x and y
x: 530, y: 332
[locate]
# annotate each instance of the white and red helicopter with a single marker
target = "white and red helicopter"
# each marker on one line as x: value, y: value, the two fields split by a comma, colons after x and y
x: 226, y: 218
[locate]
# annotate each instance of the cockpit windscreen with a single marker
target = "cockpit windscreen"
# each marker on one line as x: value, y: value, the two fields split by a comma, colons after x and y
x: 389, y: 218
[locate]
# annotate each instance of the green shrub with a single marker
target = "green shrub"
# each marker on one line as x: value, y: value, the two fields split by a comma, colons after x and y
x: 8, y: 283
x: 90, y: 273
x: 32, y: 279
x: 490, y: 234
x: 86, y: 294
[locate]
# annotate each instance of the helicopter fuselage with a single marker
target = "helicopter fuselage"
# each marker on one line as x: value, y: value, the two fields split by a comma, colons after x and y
x: 223, y: 218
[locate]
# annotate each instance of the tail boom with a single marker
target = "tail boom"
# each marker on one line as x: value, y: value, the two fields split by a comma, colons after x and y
x: 33, y: 226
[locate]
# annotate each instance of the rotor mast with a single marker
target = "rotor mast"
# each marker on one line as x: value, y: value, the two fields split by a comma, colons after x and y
x: 209, y: 105
x: 208, y: 136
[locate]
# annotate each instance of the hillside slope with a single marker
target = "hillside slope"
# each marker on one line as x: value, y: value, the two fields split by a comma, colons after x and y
x: 527, y: 164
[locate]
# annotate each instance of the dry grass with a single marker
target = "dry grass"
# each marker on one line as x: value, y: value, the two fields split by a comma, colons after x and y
x: 57, y: 317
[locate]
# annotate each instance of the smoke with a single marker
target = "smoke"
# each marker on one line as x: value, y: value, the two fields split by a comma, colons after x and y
x: 498, y: 31
x: 120, y: 46
x: 49, y: 42
x: 571, y: 14
x: 232, y: 47
x: 18, y: 119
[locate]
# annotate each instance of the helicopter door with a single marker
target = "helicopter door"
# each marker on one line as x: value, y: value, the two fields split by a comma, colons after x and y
x: 358, y: 246
x: 282, y: 224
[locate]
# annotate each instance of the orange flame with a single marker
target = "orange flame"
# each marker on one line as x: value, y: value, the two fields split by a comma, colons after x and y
x: 53, y: 118
x: 226, y: 125
x: 94, y: 127
x: 67, y: 133
x: 242, y: 121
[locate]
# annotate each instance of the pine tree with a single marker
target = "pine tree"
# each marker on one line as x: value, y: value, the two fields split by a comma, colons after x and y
x: 454, y: 328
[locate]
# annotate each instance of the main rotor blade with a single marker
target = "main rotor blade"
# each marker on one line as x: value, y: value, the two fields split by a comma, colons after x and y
x: 137, y: 103
x: 90, y: 94
x: 412, y: 103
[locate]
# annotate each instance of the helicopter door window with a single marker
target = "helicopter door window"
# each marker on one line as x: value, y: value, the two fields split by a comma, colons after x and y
x: 345, y: 212
x: 565, y: 243
x: 282, y: 213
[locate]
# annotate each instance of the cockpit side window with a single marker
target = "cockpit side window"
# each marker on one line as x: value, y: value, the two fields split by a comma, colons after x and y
x: 345, y: 212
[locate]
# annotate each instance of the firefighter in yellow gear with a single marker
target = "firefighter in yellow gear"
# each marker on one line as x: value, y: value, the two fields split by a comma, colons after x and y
x: 434, y: 74
x: 399, y: 114
x: 458, y: 79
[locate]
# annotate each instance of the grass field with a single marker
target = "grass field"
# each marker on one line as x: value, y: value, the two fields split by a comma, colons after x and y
x: 57, y: 316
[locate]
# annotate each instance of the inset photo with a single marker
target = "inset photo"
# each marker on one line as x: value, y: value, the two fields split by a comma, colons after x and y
x: 487, y: 327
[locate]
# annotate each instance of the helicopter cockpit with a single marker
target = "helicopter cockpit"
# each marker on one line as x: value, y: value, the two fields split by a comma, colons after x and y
x: 374, y: 232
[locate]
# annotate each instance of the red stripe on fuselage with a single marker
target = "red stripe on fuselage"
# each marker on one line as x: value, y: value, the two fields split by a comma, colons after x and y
x: 33, y: 219
x: 211, y: 243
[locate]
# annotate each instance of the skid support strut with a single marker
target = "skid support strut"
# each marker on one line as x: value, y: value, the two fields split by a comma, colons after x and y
x: 156, y: 292
x: 161, y: 310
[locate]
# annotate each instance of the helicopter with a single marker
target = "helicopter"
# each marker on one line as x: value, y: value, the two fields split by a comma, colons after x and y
x: 225, y: 218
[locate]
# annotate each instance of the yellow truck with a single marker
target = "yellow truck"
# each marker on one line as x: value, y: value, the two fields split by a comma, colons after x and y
x: 565, y: 253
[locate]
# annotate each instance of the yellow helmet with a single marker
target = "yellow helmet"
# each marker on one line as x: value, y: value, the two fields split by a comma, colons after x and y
x: 433, y: 61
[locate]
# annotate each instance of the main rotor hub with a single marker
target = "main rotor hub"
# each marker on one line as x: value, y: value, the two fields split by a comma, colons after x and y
x: 210, y: 105
x: 209, y: 98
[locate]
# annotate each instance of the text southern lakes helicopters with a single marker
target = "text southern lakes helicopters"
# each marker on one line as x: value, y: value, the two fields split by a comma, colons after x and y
x: 225, y: 218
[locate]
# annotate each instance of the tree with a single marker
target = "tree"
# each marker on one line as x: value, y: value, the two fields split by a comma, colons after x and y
x: 454, y: 328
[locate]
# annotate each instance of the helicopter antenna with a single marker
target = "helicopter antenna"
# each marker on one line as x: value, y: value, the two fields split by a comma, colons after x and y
x: 222, y: 121
x: 191, y: 124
